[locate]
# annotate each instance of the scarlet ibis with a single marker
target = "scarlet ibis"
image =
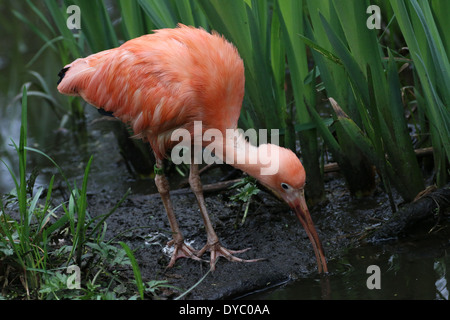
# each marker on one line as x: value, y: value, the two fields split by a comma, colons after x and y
x: 168, y: 80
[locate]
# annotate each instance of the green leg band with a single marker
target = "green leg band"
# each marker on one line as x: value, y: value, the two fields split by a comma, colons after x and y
x: 157, y: 170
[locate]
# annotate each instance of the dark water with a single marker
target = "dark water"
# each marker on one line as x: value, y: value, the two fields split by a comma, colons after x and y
x: 409, y: 269
x: 18, y: 45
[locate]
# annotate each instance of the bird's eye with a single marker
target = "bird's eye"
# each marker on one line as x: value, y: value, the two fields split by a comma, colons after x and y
x: 285, y: 186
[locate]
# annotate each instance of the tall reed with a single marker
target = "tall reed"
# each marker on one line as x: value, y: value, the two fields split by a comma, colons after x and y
x: 425, y: 27
x: 374, y: 106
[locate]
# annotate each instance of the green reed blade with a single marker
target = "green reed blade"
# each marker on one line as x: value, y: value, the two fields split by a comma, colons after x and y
x: 160, y: 12
x: 136, y: 269
x: 132, y: 19
x: 96, y: 25
x: 431, y: 63
x: 60, y: 16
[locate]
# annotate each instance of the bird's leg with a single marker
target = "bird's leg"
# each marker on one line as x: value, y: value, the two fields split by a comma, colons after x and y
x: 181, y: 249
x: 213, y: 244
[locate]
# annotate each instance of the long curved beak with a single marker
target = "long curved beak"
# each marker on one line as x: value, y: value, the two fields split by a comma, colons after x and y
x: 298, y: 204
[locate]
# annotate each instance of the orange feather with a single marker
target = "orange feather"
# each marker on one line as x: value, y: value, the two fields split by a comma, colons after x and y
x: 163, y: 81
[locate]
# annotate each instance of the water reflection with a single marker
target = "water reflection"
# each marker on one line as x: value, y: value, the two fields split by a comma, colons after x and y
x: 410, y: 270
x: 441, y: 283
x: 18, y: 45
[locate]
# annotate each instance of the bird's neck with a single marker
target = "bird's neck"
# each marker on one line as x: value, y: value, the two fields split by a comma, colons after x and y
x: 260, y: 162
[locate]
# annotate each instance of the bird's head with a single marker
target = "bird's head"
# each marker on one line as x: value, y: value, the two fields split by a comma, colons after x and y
x: 288, y: 183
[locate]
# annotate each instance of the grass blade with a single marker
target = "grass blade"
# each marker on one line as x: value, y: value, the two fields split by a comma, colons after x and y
x: 160, y: 12
x: 181, y: 296
x: 81, y: 206
x: 22, y: 192
x: 96, y: 25
x: 60, y: 17
x: 324, y: 52
x: 132, y: 19
x: 136, y: 270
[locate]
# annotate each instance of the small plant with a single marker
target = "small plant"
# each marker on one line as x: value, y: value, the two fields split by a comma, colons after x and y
x: 246, y: 189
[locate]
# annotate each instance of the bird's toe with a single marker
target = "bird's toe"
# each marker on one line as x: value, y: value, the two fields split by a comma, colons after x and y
x: 217, y: 250
x: 181, y: 250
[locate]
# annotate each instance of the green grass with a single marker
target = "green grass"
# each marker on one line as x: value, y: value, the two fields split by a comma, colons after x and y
x: 39, y: 241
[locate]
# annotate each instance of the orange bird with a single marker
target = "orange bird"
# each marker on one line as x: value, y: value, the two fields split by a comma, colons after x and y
x: 168, y: 80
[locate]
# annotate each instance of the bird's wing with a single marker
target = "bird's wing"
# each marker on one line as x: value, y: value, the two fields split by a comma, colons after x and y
x: 163, y: 81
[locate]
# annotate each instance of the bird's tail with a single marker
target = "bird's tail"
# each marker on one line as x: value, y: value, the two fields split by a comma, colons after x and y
x: 61, y: 74
x: 75, y: 77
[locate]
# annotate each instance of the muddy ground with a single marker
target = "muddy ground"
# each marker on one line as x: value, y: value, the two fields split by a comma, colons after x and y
x: 271, y: 230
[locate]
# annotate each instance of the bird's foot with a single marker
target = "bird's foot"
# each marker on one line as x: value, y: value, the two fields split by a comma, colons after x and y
x: 217, y: 250
x: 181, y: 250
